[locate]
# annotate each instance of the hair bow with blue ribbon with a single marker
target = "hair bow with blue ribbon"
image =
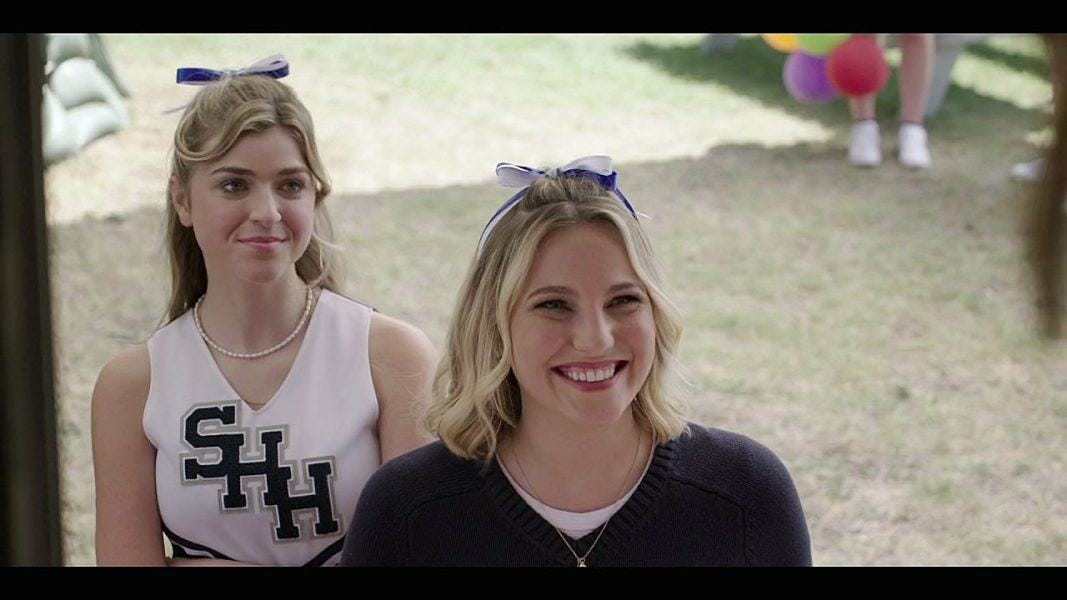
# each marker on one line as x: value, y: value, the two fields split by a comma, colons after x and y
x: 273, y: 66
x: 276, y: 66
x: 597, y: 167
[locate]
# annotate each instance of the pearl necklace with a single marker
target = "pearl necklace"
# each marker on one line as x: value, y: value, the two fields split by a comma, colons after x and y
x: 251, y: 355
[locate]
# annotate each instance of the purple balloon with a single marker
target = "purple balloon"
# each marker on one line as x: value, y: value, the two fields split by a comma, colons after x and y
x: 807, y: 79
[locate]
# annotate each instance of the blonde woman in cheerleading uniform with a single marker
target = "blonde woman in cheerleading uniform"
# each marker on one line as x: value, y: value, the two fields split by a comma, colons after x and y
x: 246, y: 427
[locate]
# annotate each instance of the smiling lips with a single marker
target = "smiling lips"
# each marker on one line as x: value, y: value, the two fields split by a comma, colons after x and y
x: 591, y: 376
x: 262, y: 242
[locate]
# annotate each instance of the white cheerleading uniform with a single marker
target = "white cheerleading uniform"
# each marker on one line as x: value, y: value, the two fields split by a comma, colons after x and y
x: 275, y: 486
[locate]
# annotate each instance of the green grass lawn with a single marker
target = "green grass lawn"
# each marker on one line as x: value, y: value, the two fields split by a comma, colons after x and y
x: 874, y: 328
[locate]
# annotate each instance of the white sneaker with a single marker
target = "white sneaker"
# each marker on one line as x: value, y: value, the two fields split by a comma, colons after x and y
x: 1031, y: 171
x: 865, y: 144
x: 913, y: 151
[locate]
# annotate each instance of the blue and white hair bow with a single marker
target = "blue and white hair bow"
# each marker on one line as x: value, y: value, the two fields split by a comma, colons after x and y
x: 597, y: 167
x: 273, y: 66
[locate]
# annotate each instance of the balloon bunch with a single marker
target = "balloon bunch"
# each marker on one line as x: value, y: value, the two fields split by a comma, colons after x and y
x: 822, y: 66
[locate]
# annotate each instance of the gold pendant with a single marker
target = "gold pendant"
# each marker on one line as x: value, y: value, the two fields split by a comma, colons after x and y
x: 581, y: 562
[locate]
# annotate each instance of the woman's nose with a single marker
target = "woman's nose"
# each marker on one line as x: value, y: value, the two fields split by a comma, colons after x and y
x: 264, y: 206
x: 593, y: 334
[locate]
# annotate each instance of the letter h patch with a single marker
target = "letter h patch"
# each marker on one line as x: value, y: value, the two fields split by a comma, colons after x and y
x: 214, y: 431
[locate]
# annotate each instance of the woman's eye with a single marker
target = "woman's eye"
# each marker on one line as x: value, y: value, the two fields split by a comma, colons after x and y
x: 622, y: 300
x: 553, y: 305
x: 233, y: 186
x: 294, y: 186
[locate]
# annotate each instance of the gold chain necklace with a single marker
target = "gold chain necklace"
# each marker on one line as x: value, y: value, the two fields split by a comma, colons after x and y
x: 580, y: 559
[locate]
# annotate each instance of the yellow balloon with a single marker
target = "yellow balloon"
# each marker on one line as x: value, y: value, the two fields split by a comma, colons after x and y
x: 782, y: 42
x: 820, y: 44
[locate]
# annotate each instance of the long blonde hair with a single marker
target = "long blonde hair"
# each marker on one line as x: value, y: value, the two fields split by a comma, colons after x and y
x: 476, y: 397
x: 218, y: 116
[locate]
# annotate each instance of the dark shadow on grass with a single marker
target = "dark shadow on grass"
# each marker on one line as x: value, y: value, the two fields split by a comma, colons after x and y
x: 810, y: 182
x: 1018, y: 62
x: 754, y: 69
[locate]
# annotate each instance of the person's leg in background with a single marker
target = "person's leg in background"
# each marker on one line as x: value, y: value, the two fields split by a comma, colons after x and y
x: 865, y: 142
x: 916, y: 69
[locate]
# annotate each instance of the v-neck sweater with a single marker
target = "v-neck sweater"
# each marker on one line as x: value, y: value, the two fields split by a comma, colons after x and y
x: 574, y: 524
x: 709, y: 498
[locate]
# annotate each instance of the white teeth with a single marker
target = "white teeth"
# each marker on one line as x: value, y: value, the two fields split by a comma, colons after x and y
x: 590, y: 374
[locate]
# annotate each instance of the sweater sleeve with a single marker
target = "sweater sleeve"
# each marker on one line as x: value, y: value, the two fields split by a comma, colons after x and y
x: 375, y: 534
x: 776, y: 533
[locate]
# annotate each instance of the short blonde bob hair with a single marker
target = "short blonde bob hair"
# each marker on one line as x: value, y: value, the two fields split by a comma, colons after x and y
x: 477, y: 401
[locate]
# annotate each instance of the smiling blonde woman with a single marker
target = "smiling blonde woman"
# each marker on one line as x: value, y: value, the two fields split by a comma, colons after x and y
x: 560, y: 443
x: 246, y: 426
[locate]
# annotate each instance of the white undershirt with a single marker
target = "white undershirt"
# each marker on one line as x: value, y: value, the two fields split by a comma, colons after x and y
x: 575, y: 524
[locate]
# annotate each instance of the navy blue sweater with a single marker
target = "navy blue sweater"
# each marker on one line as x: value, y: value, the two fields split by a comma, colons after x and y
x: 709, y: 498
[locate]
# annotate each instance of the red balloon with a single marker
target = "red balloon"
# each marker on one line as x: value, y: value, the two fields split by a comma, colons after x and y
x: 857, y: 67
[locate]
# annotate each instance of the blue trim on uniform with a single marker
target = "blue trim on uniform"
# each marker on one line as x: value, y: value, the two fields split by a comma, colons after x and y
x: 326, y: 554
x: 180, y: 544
x: 176, y: 540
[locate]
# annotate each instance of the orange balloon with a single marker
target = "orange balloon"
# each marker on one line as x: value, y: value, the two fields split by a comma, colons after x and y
x: 782, y: 42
